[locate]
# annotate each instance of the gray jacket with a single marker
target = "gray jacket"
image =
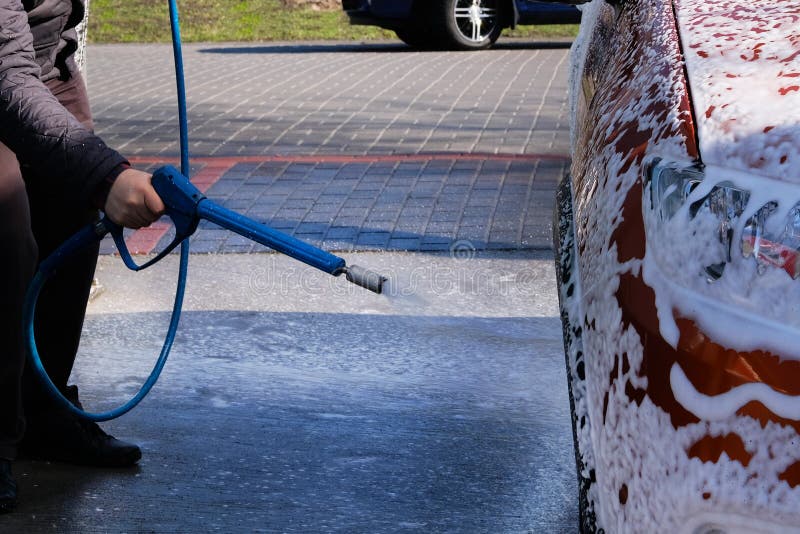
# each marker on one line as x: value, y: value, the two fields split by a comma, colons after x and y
x: 68, y: 157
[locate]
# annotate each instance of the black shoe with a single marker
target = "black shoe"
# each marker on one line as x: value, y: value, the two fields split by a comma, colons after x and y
x: 8, y: 487
x: 63, y: 437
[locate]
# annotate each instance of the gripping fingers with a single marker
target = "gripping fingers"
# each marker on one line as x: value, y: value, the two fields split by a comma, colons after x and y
x: 132, y: 201
x: 153, y: 204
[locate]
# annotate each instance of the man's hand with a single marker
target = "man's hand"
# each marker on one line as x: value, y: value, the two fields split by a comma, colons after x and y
x: 132, y: 202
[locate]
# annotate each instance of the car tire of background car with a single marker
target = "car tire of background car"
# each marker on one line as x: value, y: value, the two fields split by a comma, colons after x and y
x: 416, y: 38
x: 467, y: 24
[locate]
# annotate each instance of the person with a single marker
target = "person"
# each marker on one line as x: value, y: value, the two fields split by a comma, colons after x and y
x: 55, y: 174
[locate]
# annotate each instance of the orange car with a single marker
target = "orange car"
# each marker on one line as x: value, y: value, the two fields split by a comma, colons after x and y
x: 677, y: 239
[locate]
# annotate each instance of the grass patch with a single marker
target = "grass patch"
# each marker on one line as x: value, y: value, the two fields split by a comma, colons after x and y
x: 147, y: 21
x: 545, y: 31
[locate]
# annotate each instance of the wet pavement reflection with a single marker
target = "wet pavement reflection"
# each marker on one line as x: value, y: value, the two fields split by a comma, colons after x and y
x: 306, y: 421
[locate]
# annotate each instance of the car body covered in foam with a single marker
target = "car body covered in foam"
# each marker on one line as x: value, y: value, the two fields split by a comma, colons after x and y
x: 677, y: 234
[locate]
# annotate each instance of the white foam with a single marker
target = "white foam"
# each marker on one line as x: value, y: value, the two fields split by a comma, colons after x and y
x: 743, y: 71
x: 725, y: 405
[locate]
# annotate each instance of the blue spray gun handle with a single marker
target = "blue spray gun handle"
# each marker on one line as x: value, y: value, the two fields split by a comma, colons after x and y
x: 186, y: 205
x: 180, y: 198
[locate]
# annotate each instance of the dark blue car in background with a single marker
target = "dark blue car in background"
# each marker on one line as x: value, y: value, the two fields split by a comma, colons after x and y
x: 456, y: 24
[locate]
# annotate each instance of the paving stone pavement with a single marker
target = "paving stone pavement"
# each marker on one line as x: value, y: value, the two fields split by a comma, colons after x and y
x: 351, y: 146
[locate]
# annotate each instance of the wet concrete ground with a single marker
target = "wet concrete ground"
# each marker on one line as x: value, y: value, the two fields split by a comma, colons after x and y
x: 294, y: 402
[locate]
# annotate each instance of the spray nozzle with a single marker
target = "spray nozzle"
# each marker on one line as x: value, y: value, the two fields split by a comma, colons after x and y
x: 365, y: 278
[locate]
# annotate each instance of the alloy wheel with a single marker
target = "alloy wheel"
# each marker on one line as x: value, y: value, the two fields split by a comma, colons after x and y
x: 476, y: 20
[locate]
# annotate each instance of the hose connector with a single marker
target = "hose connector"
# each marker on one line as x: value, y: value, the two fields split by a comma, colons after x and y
x: 365, y: 278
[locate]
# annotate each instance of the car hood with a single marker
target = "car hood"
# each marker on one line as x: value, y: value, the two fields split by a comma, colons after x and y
x: 743, y: 67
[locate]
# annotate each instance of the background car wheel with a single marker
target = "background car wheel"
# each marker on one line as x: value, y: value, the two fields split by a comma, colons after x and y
x: 468, y: 24
x: 416, y: 38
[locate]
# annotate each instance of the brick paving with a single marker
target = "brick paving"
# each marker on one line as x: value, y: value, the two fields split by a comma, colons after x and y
x: 351, y: 147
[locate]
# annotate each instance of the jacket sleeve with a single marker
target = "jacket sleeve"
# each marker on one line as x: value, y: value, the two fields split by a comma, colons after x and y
x: 66, y: 156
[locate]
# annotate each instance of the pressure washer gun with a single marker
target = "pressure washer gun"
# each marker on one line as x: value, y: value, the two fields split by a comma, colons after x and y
x: 186, y: 206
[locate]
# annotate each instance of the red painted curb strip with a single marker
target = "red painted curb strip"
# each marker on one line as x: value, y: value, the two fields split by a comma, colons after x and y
x: 336, y: 158
x: 144, y: 241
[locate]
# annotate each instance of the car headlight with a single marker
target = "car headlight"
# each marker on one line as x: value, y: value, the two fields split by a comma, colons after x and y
x: 761, y: 229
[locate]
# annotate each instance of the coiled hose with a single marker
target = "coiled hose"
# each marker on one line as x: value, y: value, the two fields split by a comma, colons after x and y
x: 89, y: 234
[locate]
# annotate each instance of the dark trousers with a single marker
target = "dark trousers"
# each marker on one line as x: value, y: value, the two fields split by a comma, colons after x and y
x: 33, y: 222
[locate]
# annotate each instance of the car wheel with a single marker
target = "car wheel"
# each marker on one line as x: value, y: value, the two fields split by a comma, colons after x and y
x: 468, y: 24
x: 416, y: 38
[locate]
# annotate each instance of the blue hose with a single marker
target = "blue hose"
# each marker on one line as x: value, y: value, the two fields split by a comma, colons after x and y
x: 90, y: 234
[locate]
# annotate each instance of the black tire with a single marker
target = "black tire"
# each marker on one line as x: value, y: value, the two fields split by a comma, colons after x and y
x: 416, y: 38
x: 467, y: 24
x: 564, y: 246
